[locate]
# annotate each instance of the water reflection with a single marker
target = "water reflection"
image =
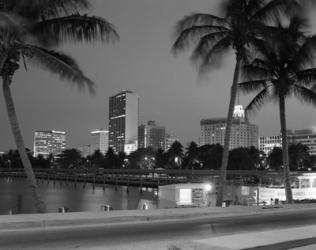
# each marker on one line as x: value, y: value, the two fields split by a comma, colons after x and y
x: 78, y: 197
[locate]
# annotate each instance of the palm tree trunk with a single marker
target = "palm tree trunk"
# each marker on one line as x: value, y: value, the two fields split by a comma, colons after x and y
x: 233, y: 94
x: 39, y: 204
x: 285, y: 151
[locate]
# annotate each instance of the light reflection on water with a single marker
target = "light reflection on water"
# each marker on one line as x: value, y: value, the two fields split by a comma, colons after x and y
x: 77, y: 197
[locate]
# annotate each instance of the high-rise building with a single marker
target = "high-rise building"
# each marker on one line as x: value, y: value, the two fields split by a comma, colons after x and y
x: 305, y: 136
x: 170, y: 139
x: 123, y: 121
x: 151, y: 135
x: 48, y: 142
x: 100, y: 141
x: 267, y: 143
x: 243, y: 134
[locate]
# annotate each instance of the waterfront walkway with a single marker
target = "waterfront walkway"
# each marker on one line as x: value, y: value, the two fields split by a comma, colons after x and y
x: 36, y: 231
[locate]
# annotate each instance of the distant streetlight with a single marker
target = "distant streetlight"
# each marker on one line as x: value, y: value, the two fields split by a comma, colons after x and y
x: 177, y: 161
x: 149, y: 161
x: 125, y: 163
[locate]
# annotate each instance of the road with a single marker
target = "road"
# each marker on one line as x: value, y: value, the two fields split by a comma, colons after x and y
x: 156, y: 234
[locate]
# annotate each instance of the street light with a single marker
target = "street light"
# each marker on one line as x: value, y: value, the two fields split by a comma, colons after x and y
x: 149, y: 161
x: 9, y: 161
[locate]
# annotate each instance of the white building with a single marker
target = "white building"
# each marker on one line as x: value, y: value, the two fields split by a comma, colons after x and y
x: 170, y: 139
x: 243, y: 134
x: 99, y: 141
x: 123, y: 120
x: 304, y: 136
x: 267, y: 143
x: 48, y: 142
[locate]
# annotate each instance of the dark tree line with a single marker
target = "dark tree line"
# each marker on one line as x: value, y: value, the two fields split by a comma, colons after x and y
x: 192, y: 157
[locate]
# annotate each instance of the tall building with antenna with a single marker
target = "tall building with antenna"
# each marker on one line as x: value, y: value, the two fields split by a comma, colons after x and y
x: 243, y: 133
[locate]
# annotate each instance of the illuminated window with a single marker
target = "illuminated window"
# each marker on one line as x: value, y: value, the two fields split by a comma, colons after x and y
x: 185, y: 196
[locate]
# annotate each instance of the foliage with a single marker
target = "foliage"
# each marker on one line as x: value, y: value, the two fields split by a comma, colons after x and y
x: 211, y: 156
x: 142, y: 158
x: 274, y: 159
x: 243, y: 22
x: 69, y: 158
x: 300, y: 159
x: 175, y: 155
x: 110, y: 159
x: 239, y: 159
x: 97, y: 159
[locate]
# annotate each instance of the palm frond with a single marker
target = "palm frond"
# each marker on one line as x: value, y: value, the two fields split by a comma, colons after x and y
x: 39, y: 9
x: 64, y: 7
x: 195, y: 33
x: 306, y: 53
x: 252, y: 86
x: 58, y: 63
x: 305, y: 95
x: 255, y: 71
x: 206, y: 43
x: 207, y: 57
x: 275, y: 9
x: 306, y: 77
x: 12, y: 24
x: 258, y: 101
x: 75, y: 28
x: 198, y: 19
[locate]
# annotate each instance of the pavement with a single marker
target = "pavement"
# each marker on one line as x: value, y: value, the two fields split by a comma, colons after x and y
x: 12, y: 226
x: 292, y: 238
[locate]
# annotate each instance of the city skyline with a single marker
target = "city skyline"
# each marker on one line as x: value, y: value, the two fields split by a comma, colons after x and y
x: 167, y: 85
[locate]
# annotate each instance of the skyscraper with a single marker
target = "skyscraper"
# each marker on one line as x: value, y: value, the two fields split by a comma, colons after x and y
x: 151, y: 135
x: 243, y: 134
x: 123, y: 121
x: 100, y: 141
x: 48, y: 142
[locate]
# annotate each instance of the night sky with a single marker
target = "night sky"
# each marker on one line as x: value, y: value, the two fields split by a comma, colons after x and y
x: 168, y: 86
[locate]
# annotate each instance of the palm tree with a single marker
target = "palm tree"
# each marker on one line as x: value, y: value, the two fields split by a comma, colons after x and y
x: 213, y: 35
x: 280, y: 69
x: 299, y: 157
x: 175, y: 154
x: 29, y: 31
x: 191, y: 155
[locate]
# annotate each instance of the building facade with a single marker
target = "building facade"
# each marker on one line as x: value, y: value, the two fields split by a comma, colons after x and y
x: 170, y: 139
x: 305, y: 136
x: 267, y: 143
x: 123, y: 121
x: 48, y: 142
x: 243, y: 134
x: 151, y: 135
x: 99, y: 141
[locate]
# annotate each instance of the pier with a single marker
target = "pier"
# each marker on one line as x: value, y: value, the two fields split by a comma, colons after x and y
x: 138, y: 178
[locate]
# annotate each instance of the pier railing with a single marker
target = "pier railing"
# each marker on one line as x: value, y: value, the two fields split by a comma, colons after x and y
x: 137, y: 177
